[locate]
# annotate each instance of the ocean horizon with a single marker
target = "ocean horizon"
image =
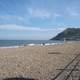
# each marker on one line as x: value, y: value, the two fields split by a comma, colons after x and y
x: 8, y: 43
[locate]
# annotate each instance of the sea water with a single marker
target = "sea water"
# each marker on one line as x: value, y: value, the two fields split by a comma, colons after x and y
x: 9, y: 43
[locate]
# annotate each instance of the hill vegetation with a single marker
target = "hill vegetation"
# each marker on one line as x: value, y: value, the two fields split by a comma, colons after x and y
x: 69, y: 34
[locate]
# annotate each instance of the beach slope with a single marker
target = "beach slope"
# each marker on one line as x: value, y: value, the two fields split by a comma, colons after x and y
x: 37, y: 62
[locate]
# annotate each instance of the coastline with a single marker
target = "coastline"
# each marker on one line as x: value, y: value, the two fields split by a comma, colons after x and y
x: 19, y: 43
x: 23, y: 45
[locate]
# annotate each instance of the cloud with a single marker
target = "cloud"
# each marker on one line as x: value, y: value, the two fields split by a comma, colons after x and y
x: 56, y: 15
x: 11, y: 17
x: 18, y: 32
x: 42, y: 13
x: 72, y: 12
x: 22, y: 28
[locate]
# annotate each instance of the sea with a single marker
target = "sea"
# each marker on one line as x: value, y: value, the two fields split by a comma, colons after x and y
x: 16, y: 43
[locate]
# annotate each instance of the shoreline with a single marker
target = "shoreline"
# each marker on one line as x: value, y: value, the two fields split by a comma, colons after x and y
x: 19, y: 46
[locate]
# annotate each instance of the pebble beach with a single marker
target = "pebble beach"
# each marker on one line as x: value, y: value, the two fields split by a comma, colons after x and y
x: 37, y: 62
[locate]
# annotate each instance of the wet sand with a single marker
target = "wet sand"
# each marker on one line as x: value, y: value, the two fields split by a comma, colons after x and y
x: 38, y: 62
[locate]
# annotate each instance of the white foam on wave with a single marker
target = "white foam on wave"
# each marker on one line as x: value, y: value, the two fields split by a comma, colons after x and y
x: 45, y: 44
x: 53, y: 43
x: 10, y: 47
x: 31, y: 44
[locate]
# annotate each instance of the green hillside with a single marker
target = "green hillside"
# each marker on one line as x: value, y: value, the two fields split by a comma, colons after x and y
x: 69, y: 34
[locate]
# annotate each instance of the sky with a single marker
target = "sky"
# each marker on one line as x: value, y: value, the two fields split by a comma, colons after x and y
x: 37, y: 19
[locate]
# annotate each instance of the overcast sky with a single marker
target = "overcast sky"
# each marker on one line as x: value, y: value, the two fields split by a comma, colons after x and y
x: 37, y: 19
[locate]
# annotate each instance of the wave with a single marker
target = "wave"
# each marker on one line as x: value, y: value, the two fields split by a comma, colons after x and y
x: 10, y: 47
x: 43, y: 44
